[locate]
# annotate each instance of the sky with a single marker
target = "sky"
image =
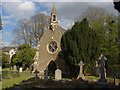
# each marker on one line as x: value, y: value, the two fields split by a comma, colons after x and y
x: 15, y: 10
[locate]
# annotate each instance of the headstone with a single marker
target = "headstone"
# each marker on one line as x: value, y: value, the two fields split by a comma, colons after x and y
x: 36, y: 73
x: 20, y: 70
x: 14, y: 68
x: 46, y: 74
x: 27, y: 69
x: 58, y: 74
x: 97, y: 71
x: 81, y: 75
x: 102, y: 79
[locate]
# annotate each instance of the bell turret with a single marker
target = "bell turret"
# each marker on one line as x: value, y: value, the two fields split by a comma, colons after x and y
x: 53, y: 19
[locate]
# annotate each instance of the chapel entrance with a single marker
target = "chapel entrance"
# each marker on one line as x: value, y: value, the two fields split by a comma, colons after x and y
x: 51, y: 68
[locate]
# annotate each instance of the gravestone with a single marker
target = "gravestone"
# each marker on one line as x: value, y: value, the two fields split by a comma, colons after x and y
x: 27, y: 69
x: 81, y: 75
x: 46, y: 74
x: 14, y: 68
x: 102, y: 79
x: 97, y: 71
x: 58, y: 74
x: 20, y: 69
x: 36, y: 73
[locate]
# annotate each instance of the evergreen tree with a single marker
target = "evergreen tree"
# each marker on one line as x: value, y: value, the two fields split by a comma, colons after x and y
x: 80, y: 43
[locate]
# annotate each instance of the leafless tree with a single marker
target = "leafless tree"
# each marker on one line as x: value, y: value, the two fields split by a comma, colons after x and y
x: 31, y: 30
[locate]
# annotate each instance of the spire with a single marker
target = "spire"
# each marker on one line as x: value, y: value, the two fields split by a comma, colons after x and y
x: 53, y: 19
x: 53, y: 10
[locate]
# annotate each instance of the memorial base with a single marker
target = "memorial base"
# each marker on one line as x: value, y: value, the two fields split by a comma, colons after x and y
x: 81, y: 76
x: 102, y: 81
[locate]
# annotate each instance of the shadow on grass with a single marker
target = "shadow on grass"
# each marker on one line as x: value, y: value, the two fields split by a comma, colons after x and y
x: 37, y: 83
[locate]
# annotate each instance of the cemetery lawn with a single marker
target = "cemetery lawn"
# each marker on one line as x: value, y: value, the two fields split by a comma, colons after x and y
x: 6, y: 83
x: 108, y: 78
x: 11, y: 80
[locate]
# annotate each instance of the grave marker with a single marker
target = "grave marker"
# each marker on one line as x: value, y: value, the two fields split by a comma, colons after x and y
x: 20, y: 70
x: 102, y: 59
x: 36, y: 73
x: 81, y: 75
x: 58, y: 74
x: 14, y: 68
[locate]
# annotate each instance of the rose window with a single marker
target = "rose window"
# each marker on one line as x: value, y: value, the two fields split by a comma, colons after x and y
x: 52, y: 47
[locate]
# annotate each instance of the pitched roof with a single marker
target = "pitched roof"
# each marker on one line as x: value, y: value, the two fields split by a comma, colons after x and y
x: 61, y: 29
x: 7, y: 49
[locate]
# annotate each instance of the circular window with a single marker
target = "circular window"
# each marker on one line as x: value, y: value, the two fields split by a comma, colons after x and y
x: 52, y: 47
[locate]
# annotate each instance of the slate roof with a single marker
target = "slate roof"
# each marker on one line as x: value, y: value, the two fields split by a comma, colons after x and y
x: 7, y: 49
x: 61, y: 29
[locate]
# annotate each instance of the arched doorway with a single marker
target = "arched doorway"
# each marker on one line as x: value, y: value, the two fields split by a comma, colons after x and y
x: 51, y: 68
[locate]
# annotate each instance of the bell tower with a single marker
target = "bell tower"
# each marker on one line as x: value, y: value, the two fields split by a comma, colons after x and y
x: 53, y: 18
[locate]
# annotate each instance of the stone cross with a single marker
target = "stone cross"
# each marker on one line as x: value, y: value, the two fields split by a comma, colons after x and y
x: 102, y: 59
x: 81, y: 75
x: 58, y: 74
x: 36, y: 73
x: 46, y: 74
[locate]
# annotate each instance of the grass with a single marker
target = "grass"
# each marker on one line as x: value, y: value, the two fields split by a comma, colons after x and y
x: 7, y: 83
x: 0, y: 85
x: 93, y: 77
x: 6, y: 69
x: 10, y: 78
x: 108, y: 78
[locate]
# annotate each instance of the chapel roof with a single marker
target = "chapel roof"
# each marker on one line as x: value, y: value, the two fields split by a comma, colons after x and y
x: 7, y: 49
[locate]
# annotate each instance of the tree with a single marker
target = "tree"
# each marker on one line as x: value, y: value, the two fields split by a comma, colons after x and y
x: 80, y: 43
x: 97, y: 20
x: 12, y: 58
x: 106, y: 25
x: 25, y: 56
x: 5, y: 60
x: 31, y: 30
x: 116, y: 5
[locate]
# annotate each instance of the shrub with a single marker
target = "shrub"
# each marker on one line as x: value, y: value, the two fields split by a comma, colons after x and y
x: 7, y: 65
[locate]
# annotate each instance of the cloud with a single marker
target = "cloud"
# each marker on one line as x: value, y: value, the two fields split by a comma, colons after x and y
x: 2, y: 41
x: 11, y: 1
x: 5, y: 44
x: 20, y: 10
x: 6, y: 22
x: 6, y: 38
x: 66, y: 23
x: 67, y: 11
x: 6, y: 17
x: 44, y: 12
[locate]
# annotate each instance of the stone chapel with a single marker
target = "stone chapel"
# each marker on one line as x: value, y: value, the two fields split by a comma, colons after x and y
x: 48, y: 48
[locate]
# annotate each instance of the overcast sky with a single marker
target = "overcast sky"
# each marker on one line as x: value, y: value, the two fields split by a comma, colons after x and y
x: 67, y: 12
